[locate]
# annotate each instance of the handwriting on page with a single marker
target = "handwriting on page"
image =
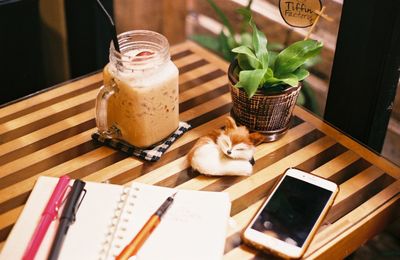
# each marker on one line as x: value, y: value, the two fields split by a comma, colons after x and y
x: 183, y: 213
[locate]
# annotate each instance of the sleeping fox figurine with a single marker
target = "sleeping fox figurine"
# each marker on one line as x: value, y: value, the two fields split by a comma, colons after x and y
x: 226, y: 151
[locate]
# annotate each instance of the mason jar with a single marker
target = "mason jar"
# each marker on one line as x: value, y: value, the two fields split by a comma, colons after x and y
x: 139, y: 100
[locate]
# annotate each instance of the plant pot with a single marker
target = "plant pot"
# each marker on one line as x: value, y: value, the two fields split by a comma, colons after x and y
x: 268, y: 114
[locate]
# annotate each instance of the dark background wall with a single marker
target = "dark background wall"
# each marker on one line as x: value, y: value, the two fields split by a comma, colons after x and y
x: 20, y: 49
x: 88, y: 35
x: 24, y: 67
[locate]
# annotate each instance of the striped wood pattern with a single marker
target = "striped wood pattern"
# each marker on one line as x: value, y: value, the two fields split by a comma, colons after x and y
x: 49, y: 134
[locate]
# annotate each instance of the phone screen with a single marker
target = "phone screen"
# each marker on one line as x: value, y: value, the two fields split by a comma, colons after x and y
x: 292, y: 211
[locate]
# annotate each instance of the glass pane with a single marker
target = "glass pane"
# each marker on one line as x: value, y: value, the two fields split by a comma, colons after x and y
x: 391, y: 146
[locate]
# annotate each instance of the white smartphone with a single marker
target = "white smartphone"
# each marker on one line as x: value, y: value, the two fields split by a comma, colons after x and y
x: 291, y: 215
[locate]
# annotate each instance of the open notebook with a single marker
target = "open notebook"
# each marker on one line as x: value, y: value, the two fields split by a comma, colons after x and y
x: 194, y: 227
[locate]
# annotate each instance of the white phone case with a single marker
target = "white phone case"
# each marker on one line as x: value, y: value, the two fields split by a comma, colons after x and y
x: 269, y: 243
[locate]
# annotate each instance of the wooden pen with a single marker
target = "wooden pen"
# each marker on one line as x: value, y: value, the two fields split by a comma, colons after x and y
x: 136, y: 243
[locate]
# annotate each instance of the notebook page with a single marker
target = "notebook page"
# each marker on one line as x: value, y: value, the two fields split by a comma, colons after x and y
x: 143, y: 200
x: 84, y: 238
x: 23, y: 229
x: 194, y: 227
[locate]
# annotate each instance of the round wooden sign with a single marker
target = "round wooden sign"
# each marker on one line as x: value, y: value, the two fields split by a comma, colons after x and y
x: 299, y: 13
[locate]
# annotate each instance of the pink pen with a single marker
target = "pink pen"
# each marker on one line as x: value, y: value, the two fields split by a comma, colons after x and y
x: 48, y: 215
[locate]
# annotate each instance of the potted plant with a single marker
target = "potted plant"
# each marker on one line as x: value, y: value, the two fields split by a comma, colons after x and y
x: 265, y: 87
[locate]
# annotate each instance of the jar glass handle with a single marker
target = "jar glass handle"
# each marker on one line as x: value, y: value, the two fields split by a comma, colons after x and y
x: 103, y: 96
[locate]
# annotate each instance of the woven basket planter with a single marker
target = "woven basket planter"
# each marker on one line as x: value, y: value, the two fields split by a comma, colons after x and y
x: 268, y: 114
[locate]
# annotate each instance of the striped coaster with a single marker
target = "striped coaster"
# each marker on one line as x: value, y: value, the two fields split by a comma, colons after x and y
x: 152, y: 154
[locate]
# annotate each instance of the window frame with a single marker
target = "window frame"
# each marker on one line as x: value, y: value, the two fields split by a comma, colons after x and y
x: 365, y: 70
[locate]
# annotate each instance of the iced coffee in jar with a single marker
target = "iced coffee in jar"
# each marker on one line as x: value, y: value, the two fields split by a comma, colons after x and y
x: 139, y: 100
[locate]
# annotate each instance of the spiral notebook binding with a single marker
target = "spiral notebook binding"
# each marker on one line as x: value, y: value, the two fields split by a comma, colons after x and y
x: 118, y: 223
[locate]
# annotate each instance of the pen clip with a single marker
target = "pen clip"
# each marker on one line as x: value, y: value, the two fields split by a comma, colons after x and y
x: 78, y: 205
x: 65, y: 197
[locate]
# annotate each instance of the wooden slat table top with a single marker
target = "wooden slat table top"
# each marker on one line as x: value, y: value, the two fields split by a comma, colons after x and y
x: 50, y: 134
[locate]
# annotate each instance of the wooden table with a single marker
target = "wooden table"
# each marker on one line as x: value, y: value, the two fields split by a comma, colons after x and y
x: 50, y: 134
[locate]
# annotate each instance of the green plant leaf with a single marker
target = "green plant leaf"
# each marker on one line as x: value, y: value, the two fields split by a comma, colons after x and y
x: 222, y: 16
x: 301, y: 99
x: 301, y: 73
x: 245, y: 50
x: 246, y: 39
x: 272, y: 57
x: 295, y: 55
x: 274, y: 89
x: 290, y: 80
x: 246, y: 58
x: 259, y: 41
x: 247, y: 63
x: 260, y: 45
x: 249, y: 4
x: 275, y: 46
x: 231, y: 42
x: 312, y: 61
x: 245, y: 16
x: 268, y: 74
x: 311, y: 101
x: 210, y: 42
x: 249, y: 80
x: 273, y: 81
x: 224, y: 47
x: 245, y: 13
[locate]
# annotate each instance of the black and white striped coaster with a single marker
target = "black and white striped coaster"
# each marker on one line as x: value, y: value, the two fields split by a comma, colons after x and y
x: 149, y: 154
